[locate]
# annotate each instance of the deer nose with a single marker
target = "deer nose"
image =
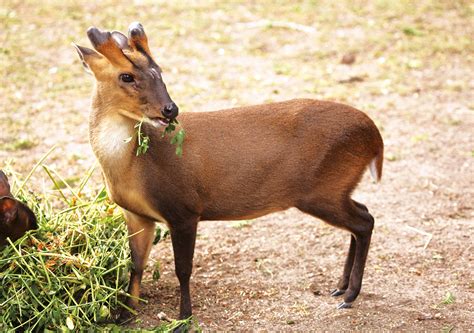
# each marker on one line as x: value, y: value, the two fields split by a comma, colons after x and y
x: 170, y: 110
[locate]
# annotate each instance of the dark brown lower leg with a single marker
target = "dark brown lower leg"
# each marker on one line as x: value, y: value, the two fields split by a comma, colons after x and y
x: 183, y: 240
x: 355, y: 281
x: 355, y: 218
x: 344, y: 281
x: 363, y: 234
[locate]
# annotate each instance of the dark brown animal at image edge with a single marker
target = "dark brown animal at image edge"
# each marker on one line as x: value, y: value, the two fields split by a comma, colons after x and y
x: 238, y: 163
x: 15, y: 217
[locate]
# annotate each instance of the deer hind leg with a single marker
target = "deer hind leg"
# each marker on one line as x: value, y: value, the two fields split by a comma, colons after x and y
x: 343, y: 283
x: 353, y: 217
x: 142, y: 232
x: 363, y: 235
x: 360, y: 206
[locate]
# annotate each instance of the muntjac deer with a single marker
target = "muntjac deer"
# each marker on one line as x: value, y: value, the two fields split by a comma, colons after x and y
x: 239, y: 163
x: 15, y: 217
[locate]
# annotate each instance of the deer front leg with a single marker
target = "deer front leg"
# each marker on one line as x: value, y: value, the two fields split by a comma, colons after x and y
x: 142, y: 232
x: 183, y: 238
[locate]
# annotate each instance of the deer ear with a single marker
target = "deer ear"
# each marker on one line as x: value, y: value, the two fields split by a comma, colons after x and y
x: 89, y: 58
x: 8, y: 210
x: 4, y: 185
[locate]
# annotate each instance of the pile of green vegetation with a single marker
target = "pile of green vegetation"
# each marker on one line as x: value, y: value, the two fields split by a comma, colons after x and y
x: 71, y: 273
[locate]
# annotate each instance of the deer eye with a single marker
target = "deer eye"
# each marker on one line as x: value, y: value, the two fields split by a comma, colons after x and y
x: 127, y: 78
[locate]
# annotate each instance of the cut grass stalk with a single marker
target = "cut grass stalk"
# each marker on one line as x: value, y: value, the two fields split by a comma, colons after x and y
x: 73, y: 270
x: 41, y: 160
x: 56, y: 184
x: 74, y: 266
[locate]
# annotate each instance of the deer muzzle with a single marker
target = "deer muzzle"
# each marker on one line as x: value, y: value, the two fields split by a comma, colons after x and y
x: 170, y: 111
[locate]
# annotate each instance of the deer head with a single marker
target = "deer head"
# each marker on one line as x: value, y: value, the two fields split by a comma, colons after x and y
x: 15, y: 217
x: 126, y: 73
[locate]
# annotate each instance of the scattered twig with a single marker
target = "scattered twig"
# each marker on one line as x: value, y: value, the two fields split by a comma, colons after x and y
x: 352, y: 79
x: 41, y: 160
x: 280, y: 24
x: 429, y: 235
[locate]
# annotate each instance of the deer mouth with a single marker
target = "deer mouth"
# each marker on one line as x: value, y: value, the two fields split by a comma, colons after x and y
x: 159, y: 121
x: 154, y: 121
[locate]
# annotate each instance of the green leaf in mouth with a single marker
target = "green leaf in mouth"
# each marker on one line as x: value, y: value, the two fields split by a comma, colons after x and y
x: 143, y: 141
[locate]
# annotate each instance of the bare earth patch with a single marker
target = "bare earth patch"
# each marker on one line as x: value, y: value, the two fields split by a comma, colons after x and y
x: 412, y: 74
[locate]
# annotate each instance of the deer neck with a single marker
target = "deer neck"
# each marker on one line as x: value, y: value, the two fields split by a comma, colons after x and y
x: 109, y: 134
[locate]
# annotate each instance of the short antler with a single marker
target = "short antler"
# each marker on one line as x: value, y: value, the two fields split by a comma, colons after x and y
x: 121, y: 40
x: 138, y: 39
x: 107, y: 45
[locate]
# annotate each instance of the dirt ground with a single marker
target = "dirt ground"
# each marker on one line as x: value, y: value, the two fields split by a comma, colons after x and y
x: 412, y: 73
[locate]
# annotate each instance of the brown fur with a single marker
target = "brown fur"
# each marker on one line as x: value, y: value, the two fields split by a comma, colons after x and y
x: 15, y: 217
x: 237, y: 164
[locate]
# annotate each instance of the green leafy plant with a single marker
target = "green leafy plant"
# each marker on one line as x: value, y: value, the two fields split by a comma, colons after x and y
x: 178, y: 138
x: 156, y: 271
x: 161, y: 233
x: 72, y: 271
x: 70, y: 274
x: 449, y: 298
x: 411, y: 31
x: 143, y: 141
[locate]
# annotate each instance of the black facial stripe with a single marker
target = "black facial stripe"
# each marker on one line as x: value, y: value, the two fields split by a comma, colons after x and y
x: 140, y: 49
x: 133, y: 64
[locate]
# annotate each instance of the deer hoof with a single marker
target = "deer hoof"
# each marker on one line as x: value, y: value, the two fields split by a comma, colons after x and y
x: 344, y: 305
x: 337, y: 292
x: 124, y: 316
x: 182, y: 328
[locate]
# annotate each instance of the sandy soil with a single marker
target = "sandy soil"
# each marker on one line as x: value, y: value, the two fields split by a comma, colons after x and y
x: 412, y: 74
